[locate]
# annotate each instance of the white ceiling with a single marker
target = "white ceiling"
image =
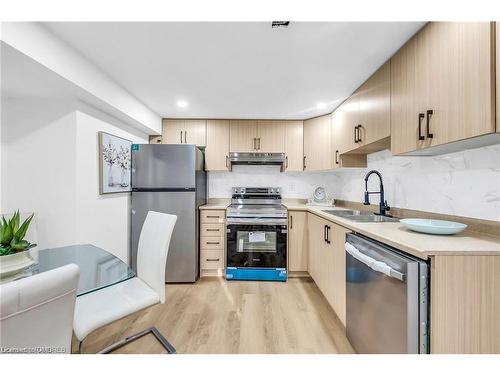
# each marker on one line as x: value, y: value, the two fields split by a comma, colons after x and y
x: 237, y: 70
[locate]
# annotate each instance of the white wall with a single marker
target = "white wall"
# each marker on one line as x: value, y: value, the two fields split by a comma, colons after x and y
x: 465, y: 183
x: 37, y: 42
x: 102, y: 220
x: 49, y: 155
x: 38, y: 141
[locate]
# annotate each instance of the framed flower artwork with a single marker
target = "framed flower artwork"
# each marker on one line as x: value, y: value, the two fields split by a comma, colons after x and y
x: 114, y: 164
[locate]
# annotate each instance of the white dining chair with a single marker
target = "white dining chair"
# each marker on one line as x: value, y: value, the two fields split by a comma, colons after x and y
x: 104, y: 306
x: 36, y: 312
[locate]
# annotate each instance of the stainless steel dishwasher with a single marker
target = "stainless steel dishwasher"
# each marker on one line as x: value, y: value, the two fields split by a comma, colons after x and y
x: 387, y: 298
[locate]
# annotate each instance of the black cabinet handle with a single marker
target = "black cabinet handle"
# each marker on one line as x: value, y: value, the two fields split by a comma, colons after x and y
x: 213, y: 243
x: 212, y: 259
x: 213, y: 216
x: 355, y: 134
x: 212, y: 230
x: 226, y: 160
x: 185, y: 135
x: 304, y: 163
x: 359, y: 132
x: 430, y: 112
x: 336, y: 156
x: 181, y: 136
x: 328, y: 234
x: 291, y: 221
x: 286, y: 162
x: 324, y: 233
x: 420, y: 118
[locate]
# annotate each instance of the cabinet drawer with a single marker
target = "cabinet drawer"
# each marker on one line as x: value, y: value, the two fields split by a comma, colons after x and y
x: 213, y: 216
x: 212, y: 243
x: 212, y: 230
x: 211, y: 259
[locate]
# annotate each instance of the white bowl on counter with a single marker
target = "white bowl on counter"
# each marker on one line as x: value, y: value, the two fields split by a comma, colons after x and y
x: 431, y: 226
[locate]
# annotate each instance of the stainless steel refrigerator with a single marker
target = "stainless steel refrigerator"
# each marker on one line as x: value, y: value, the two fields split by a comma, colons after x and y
x: 170, y: 179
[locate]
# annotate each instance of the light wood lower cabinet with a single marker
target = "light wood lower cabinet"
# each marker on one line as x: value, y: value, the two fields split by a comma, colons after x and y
x: 297, y: 241
x: 317, y: 144
x: 212, y: 242
x: 465, y: 304
x: 217, y: 150
x: 327, y: 261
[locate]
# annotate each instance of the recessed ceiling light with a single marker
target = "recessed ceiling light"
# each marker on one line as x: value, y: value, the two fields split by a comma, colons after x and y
x: 182, y: 104
x: 320, y: 105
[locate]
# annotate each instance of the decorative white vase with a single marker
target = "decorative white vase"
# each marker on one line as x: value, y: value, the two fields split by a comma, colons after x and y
x: 111, y: 182
x: 11, y: 265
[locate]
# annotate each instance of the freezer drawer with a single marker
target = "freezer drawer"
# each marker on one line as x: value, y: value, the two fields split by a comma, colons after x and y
x: 183, y: 255
x: 387, y: 301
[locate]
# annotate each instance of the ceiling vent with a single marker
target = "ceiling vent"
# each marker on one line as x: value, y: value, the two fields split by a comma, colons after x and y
x: 280, y: 24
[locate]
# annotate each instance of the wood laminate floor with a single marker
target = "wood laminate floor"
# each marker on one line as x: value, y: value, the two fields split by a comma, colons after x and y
x: 217, y: 316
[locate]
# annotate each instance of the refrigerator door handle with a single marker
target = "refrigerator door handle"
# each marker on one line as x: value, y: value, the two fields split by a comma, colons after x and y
x: 373, y: 263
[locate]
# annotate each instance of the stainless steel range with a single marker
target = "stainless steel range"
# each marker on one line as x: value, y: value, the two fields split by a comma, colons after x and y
x: 256, y: 235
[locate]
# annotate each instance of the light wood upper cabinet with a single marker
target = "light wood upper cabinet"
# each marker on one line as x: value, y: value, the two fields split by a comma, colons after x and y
x: 442, y: 83
x: 346, y: 119
x: 243, y: 135
x: 172, y: 131
x: 340, y: 136
x: 497, y: 49
x: 294, y: 145
x: 375, y: 106
x: 217, y: 151
x: 195, y: 132
x: 179, y: 131
x: 317, y: 143
x: 270, y: 136
x: 297, y: 241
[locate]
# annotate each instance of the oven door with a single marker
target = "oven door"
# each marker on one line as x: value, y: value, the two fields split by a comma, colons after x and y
x: 257, y: 244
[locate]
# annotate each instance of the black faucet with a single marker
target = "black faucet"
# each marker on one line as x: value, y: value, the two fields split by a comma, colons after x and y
x: 383, y: 207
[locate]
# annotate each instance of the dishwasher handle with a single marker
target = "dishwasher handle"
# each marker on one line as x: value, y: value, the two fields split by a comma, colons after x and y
x: 373, y: 263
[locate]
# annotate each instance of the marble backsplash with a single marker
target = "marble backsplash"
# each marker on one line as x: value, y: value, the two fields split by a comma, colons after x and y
x: 465, y: 183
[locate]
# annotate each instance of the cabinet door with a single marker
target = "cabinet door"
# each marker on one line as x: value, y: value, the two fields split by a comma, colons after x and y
x: 297, y: 241
x: 337, y: 237
x: 173, y: 131
x: 375, y: 106
x: 195, y: 132
x: 497, y: 38
x: 294, y: 145
x: 346, y: 120
x: 217, y: 151
x: 461, y: 80
x: 317, y: 143
x: 315, y: 236
x: 243, y: 135
x: 270, y: 136
x: 405, y: 101
x: 343, y: 160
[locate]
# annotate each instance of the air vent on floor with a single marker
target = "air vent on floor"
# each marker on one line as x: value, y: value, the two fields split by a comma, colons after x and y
x: 280, y: 24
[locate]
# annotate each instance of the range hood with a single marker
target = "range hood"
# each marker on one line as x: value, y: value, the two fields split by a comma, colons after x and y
x: 257, y: 158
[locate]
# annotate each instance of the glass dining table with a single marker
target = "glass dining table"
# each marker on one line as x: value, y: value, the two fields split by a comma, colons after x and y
x: 98, y: 268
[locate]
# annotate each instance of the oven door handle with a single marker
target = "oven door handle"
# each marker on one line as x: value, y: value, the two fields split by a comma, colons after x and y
x: 259, y: 221
x: 374, y: 264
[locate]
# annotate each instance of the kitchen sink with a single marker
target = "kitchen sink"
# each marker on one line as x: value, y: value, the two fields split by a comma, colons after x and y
x: 361, y: 216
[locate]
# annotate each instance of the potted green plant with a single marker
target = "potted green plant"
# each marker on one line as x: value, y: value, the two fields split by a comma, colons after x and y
x: 14, y: 254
